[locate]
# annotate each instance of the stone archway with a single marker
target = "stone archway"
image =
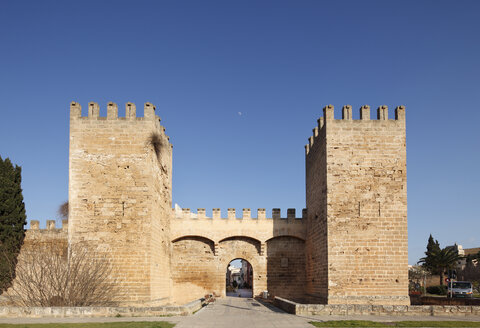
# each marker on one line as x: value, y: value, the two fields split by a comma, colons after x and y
x: 239, y: 278
x: 193, y: 268
x: 249, y: 249
x: 199, y: 265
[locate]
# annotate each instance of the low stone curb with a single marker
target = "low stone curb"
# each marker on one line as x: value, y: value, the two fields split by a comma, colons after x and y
x: 97, y: 311
x: 391, y: 310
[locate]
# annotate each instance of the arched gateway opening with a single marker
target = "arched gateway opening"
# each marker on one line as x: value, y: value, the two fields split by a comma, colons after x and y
x: 239, y: 278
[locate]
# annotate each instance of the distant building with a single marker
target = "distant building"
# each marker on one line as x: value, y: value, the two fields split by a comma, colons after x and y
x: 247, y: 274
x: 464, y: 252
x: 234, y: 274
x: 471, y: 251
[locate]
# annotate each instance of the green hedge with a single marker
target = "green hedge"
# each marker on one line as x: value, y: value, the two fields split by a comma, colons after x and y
x: 437, y: 290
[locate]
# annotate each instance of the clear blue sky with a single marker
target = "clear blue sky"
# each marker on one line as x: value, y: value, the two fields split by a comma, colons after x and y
x: 239, y: 86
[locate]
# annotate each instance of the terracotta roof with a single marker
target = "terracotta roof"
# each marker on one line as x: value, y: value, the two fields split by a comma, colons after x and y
x: 471, y: 251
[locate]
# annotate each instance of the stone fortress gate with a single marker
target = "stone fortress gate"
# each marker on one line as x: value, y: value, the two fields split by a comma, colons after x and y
x: 349, y: 246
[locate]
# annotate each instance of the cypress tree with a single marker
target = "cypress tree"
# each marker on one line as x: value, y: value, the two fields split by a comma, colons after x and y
x: 437, y: 260
x: 12, y: 219
x: 430, y: 260
x: 432, y: 245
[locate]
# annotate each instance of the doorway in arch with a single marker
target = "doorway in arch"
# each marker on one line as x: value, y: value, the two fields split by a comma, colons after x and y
x: 239, y: 278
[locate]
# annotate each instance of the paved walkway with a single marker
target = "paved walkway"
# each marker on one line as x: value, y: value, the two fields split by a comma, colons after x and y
x: 239, y: 312
x: 233, y: 312
x: 241, y: 293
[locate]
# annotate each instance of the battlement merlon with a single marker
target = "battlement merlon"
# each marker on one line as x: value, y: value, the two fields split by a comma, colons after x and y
x: 328, y: 116
x: 112, y: 114
x: 50, y: 226
x: 112, y: 111
x: 246, y: 214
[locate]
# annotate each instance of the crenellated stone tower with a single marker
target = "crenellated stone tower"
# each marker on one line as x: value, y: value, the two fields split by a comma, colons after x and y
x: 120, y: 196
x: 356, y: 197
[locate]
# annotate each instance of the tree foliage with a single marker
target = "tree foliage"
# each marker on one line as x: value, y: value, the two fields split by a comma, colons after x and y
x: 437, y: 260
x: 12, y: 218
x: 417, y: 273
x: 416, y: 278
x: 429, y: 262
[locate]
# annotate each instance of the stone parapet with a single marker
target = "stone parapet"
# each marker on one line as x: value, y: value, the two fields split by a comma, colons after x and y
x: 50, y: 226
x: 52, y: 233
x: 347, y: 120
x: 186, y: 213
x: 99, y: 311
x: 217, y: 228
x: 387, y: 310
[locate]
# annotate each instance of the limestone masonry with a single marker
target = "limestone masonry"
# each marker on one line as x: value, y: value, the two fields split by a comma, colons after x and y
x: 349, y: 246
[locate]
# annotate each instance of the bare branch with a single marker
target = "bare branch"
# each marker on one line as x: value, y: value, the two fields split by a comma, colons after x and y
x: 63, y: 210
x: 48, y: 275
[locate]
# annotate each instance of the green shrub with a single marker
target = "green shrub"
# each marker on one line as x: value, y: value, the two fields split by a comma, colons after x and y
x: 437, y: 290
x: 476, y: 285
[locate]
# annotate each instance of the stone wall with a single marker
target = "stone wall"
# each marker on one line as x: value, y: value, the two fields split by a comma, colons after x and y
x: 100, y: 312
x: 356, y: 170
x: 120, y: 196
x: 248, y: 249
x: 217, y: 228
x: 379, y: 310
x: 195, y: 272
x: 52, y: 235
x: 286, y: 267
x: 434, y: 280
x: 203, y: 247
x: 52, y: 238
x: 316, y: 250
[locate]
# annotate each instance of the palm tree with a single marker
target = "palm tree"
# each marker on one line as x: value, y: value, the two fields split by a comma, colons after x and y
x: 438, y: 261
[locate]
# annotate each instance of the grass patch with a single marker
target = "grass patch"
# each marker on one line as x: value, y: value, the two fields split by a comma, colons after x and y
x: 435, y: 295
x: 350, y: 323
x: 140, y: 324
x: 365, y: 323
